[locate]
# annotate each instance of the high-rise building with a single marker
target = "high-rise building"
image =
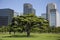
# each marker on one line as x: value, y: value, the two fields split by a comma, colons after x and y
x: 6, y: 16
x: 28, y: 9
x: 33, y: 11
x: 52, y: 15
x: 43, y: 15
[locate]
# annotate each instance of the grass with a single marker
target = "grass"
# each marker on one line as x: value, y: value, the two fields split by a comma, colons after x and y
x: 34, y: 36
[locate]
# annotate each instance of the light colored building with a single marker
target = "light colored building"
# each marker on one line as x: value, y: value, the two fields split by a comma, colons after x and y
x: 58, y: 19
x: 16, y: 14
x: 43, y: 15
x: 28, y: 9
x: 6, y: 16
x: 52, y: 15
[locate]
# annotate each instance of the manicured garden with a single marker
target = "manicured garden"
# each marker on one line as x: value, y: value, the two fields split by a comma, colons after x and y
x: 29, y: 27
x: 33, y: 36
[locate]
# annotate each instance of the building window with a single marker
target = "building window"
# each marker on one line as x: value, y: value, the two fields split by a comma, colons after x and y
x: 53, y: 19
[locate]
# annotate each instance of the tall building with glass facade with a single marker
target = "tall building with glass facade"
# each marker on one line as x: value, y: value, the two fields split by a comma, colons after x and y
x: 43, y: 15
x: 28, y: 9
x: 6, y: 16
x: 52, y: 15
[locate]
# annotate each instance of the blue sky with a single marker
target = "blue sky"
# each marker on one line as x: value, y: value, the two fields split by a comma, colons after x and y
x: 39, y: 5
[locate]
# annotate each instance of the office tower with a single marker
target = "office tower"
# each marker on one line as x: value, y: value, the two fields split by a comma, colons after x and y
x: 52, y: 14
x: 28, y: 9
x: 33, y: 11
x: 6, y: 16
x: 43, y: 15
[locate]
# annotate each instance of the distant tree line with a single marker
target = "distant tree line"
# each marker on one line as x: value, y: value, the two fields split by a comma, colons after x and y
x: 29, y: 23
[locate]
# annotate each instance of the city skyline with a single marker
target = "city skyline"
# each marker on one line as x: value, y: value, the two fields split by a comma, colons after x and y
x: 39, y: 5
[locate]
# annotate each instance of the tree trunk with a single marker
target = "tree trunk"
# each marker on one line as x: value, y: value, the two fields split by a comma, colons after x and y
x: 9, y: 32
x: 28, y: 29
x: 14, y: 32
x: 28, y: 32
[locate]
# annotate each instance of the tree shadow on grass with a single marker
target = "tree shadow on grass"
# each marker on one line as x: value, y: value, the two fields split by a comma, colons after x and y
x: 18, y: 36
x: 57, y: 37
x: 0, y: 39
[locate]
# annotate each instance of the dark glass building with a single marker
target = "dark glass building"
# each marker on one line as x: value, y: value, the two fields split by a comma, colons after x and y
x: 6, y: 16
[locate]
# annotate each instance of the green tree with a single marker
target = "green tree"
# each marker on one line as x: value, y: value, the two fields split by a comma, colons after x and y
x: 25, y: 23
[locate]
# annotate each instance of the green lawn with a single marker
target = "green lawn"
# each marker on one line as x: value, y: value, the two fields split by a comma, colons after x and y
x: 34, y: 36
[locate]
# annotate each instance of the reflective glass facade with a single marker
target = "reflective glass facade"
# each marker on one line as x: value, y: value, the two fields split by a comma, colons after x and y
x: 6, y: 16
x: 28, y: 9
x: 53, y: 19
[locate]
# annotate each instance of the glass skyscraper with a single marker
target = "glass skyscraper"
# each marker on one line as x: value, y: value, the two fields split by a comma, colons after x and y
x: 53, y: 18
x: 6, y: 16
x: 52, y: 15
x: 28, y: 9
